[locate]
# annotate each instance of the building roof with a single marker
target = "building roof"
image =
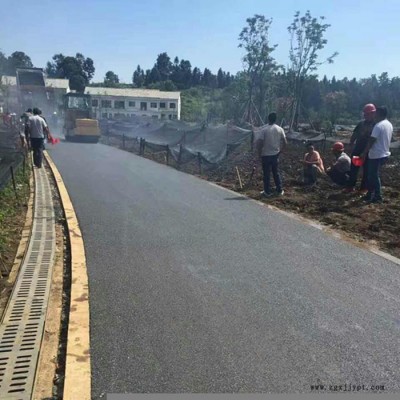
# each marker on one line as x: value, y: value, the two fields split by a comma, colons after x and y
x: 9, y: 80
x: 50, y: 82
x: 142, y: 93
x: 57, y: 83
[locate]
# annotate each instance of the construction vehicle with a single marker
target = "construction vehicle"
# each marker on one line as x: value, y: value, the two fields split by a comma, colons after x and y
x: 78, y: 122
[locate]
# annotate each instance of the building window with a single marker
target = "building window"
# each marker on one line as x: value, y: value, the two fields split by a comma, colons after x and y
x: 162, y: 105
x: 162, y: 116
x: 170, y: 116
x: 104, y: 115
x: 110, y: 115
x: 119, y: 104
x: 172, y: 105
x: 174, y: 116
x: 106, y: 103
x: 132, y: 104
x: 154, y: 116
x: 95, y: 103
x: 143, y: 106
x: 153, y: 105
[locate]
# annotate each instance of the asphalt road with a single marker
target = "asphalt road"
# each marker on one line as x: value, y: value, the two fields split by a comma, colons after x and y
x: 193, y: 289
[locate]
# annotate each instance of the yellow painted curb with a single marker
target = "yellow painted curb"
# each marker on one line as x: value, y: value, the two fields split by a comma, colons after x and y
x: 77, y: 384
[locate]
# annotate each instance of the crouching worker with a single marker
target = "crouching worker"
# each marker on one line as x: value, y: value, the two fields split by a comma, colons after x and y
x: 313, y: 165
x: 339, y: 172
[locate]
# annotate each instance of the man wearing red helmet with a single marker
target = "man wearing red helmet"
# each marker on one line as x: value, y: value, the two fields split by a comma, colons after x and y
x: 378, y: 151
x: 359, y: 142
x: 340, y: 169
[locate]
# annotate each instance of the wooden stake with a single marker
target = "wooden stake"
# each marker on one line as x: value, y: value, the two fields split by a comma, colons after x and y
x: 240, y: 179
x: 13, y: 182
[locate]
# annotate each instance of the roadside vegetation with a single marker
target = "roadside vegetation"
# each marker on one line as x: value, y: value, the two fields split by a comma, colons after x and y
x: 13, y: 207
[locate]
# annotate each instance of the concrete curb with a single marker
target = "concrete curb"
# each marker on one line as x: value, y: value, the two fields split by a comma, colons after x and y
x: 77, y: 383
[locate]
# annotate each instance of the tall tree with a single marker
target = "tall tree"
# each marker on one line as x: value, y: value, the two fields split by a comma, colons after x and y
x: 154, y: 76
x: 259, y: 63
x: 207, y: 79
x: 220, y: 79
x: 18, y: 59
x: 138, y: 77
x: 79, y: 70
x: 164, y: 66
x: 196, y: 76
x: 307, y: 39
x: 3, y: 63
x: 111, y: 79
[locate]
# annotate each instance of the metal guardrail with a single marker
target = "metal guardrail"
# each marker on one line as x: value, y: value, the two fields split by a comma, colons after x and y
x: 12, y: 155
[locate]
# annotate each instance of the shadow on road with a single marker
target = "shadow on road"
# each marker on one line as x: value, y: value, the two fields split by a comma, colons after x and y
x: 236, y: 198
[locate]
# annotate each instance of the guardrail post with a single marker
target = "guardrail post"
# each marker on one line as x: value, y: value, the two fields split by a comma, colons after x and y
x: 180, y: 156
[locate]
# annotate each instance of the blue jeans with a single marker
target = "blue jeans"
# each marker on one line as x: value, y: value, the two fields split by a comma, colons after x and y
x: 374, y: 181
x: 271, y: 163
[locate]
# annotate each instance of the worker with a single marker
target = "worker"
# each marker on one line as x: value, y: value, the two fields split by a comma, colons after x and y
x: 378, y: 151
x: 312, y: 165
x: 339, y: 172
x: 24, y: 133
x: 38, y: 130
x: 270, y: 142
x: 358, y: 142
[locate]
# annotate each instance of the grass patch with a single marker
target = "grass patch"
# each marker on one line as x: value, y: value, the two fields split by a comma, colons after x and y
x: 12, y: 216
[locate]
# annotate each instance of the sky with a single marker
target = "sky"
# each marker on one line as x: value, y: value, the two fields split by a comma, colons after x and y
x: 120, y: 34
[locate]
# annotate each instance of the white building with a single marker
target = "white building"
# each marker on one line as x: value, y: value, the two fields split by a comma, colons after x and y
x: 114, y: 103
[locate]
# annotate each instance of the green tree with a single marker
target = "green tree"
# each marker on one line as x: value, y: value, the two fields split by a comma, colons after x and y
x: 154, y: 76
x: 18, y: 59
x: 259, y: 64
x: 138, y: 77
x: 208, y: 79
x: 196, y: 76
x: 164, y: 66
x: 79, y: 70
x: 234, y: 99
x: 306, y: 41
x: 221, y: 80
x: 111, y: 79
x: 3, y: 63
x: 335, y: 103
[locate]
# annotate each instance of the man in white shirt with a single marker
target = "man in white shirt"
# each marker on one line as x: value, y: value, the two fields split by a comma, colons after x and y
x: 378, y: 151
x: 37, y: 131
x: 270, y: 141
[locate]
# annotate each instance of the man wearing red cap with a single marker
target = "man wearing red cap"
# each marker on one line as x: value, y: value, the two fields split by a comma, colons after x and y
x: 359, y: 141
x: 340, y: 169
x: 378, y: 151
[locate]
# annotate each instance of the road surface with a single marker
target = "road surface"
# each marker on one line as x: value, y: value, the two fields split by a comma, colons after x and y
x: 194, y: 289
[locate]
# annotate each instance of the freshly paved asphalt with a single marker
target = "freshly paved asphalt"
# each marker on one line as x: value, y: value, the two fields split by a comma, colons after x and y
x: 193, y: 289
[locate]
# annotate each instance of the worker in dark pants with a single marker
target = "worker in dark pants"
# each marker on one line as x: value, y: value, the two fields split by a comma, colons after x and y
x: 359, y: 142
x: 340, y: 169
x: 270, y: 142
x: 378, y: 151
x: 38, y: 130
